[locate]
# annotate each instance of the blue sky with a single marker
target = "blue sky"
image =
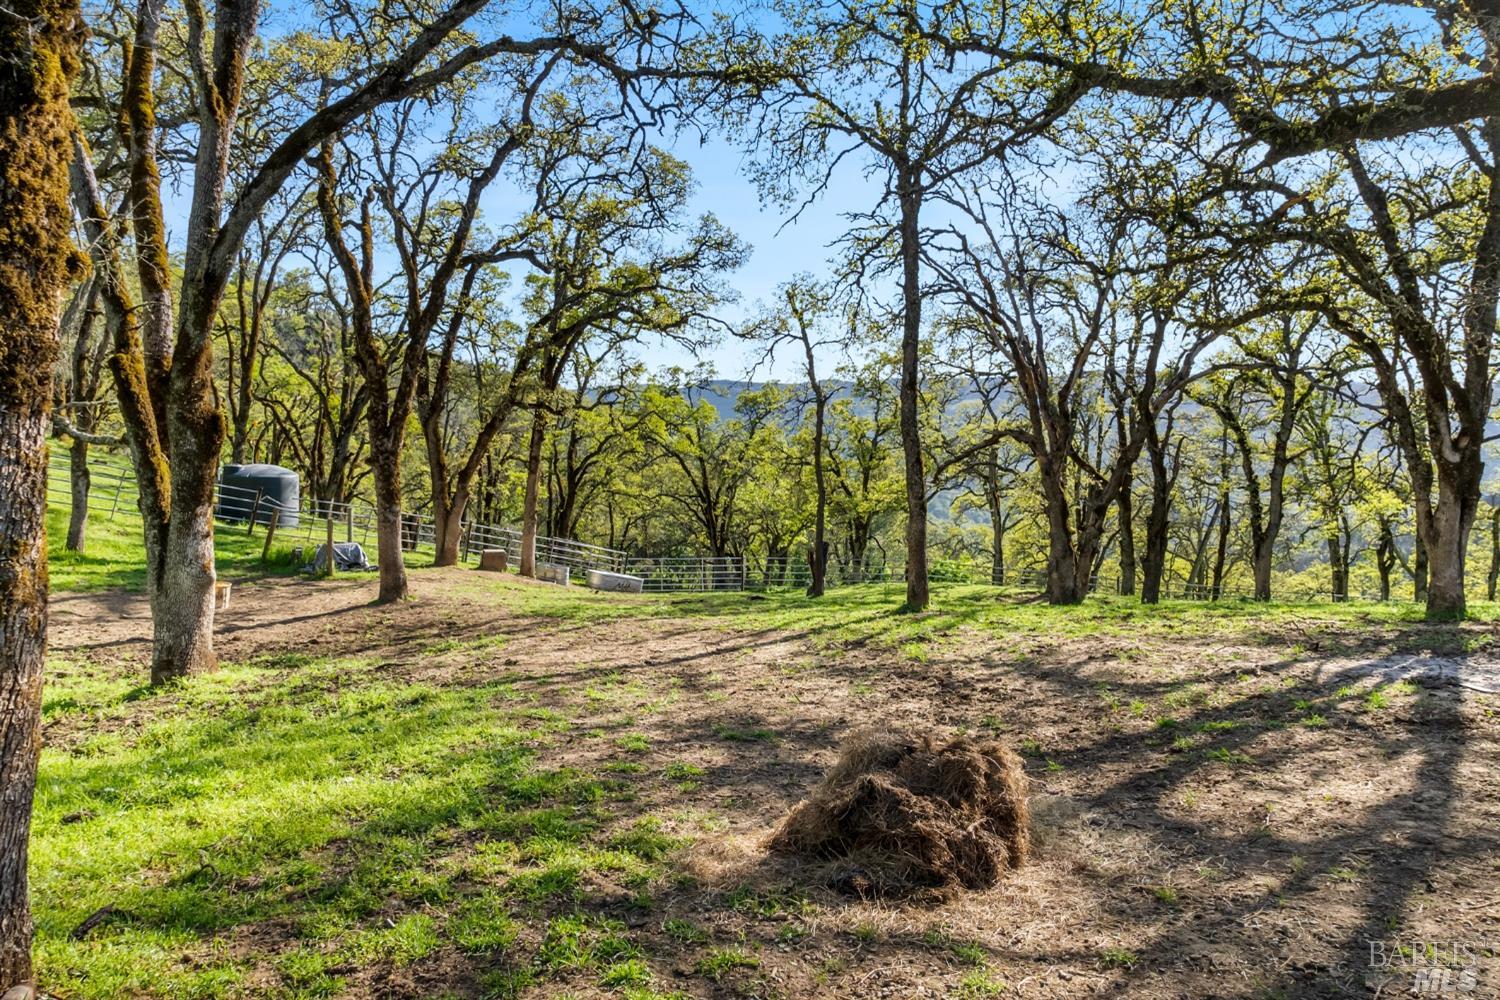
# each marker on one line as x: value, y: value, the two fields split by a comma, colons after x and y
x: 778, y: 253
x: 779, y: 249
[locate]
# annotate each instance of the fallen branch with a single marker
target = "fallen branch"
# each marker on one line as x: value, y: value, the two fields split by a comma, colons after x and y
x: 93, y: 920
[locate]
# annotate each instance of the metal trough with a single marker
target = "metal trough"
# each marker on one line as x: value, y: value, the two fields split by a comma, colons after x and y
x: 623, y: 583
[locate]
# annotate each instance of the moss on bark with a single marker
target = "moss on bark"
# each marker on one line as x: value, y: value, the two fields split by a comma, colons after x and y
x: 39, y: 53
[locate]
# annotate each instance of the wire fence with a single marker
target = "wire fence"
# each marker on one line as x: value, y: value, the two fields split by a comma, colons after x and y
x: 689, y: 573
x: 579, y: 557
x: 113, y: 493
x: 784, y: 574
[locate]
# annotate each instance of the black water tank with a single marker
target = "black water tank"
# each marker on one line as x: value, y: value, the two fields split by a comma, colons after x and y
x: 278, y: 488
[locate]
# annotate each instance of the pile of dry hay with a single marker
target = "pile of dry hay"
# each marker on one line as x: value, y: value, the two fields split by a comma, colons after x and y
x: 908, y: 813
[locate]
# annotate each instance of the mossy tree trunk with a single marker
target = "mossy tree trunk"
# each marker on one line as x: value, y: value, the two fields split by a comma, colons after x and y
x: 40, y: 39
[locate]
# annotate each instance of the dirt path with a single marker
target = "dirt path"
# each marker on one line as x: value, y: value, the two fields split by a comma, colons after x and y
x: 1216, y: 817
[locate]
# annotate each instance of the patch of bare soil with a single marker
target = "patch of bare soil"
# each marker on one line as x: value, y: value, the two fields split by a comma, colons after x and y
x: 1211, y: 816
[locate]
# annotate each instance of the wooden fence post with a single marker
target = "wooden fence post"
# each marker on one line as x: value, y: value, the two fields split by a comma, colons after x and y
x: 328, y: 521
x: 265, y: 550
x: 254, y: 512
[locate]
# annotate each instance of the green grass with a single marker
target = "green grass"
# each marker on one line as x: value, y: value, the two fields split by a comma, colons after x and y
x: 114, y: 551
x: 870, y: 615
x: 854, y: 615
x: 360, y: 820
x: 376, y: 822
x: 720, y: 962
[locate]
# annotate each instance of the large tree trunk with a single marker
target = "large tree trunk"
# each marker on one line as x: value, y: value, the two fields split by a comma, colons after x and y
x: 1338, y: 573
x: 23, y: 624
x: 527, y: 565
x: 177, y: 358
x: 1445, y: 583
x: 78, y: 482
x: 1260, y: 565
x: 1126, y: 508
x: 1447, y: 537
x: 1062, y: 559
x: 911, y: 435
x: 1154, y: 562
x: 386, y: 466
x: 448, y: 528
x: 182, y: 586
x: 40, y: 40
x: 1062, y: 577
x: 182, y: 598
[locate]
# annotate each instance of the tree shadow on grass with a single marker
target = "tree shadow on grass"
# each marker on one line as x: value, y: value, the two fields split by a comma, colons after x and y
x: 346, y: 804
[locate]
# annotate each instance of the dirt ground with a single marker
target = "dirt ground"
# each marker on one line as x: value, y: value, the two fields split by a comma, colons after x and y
x: 1215, y: 816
